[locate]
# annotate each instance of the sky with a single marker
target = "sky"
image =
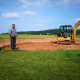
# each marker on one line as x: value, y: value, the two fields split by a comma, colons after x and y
x: 37, y: 15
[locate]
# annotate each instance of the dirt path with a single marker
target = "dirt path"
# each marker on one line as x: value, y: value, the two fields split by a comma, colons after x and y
x: 43, y: 44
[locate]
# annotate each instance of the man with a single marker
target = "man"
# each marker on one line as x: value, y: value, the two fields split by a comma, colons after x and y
x: 13, y: 35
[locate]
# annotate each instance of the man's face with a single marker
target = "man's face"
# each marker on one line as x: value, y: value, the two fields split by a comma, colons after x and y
x: 13, y: 26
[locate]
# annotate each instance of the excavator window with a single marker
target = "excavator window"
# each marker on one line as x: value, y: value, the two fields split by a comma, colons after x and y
x: 61, y: 28
x: 66, y: 31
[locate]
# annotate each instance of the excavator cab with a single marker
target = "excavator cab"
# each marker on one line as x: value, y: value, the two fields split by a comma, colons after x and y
x: 65, y: 31
x: 67, y: 34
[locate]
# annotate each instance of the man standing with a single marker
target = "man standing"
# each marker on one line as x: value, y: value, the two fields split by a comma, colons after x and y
x: 13, y: 35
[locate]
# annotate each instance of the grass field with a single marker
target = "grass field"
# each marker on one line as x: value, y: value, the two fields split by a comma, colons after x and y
x: 77, y: 36
x: 39, y: 65
x: 32, y: 36
x: 27, y: 36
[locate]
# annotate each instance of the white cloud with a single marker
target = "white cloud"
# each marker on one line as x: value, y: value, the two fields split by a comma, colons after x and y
x: 27, y: 3
x: 78, y: 19
x: 11, y: 15
x: 65, y: 3
x: 74, y: 21
x: 29, y: 13
x: 37, y: 27
x: 34, y: 27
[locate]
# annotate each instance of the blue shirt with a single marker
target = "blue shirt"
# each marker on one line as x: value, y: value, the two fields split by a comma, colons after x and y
x: 13, y: 32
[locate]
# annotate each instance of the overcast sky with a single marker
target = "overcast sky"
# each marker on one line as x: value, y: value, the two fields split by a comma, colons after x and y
x: 35, y: 15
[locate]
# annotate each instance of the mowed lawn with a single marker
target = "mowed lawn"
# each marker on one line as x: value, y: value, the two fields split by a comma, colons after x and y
x: 28, y: 36
x: 39, y: 65
x: 32, y: 36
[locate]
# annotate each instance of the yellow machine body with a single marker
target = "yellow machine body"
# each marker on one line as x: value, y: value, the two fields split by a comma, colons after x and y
x: 72, y: 37
x: 62, y: 38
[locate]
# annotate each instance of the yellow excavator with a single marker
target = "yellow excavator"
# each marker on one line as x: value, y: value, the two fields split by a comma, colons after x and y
x: 67, y: 33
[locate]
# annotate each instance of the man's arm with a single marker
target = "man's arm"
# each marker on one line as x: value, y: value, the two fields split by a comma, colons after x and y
x: 16, y: 33
x: 10, y: 33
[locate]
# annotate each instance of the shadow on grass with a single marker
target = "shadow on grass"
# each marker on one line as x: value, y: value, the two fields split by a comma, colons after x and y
x: 1, y: 48
x: 78, y: 54
x: 17, y: 49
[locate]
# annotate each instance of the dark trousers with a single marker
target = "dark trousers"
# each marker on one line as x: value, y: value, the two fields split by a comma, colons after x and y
x: 13, y: 42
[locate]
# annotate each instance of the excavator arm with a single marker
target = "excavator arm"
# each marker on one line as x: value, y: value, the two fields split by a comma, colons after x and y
x: 74, y: 30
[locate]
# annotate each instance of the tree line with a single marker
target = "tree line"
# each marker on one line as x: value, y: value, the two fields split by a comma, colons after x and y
x: 44, y: 32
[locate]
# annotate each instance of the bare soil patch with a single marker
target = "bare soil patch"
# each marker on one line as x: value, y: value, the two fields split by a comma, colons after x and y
x: 42, y: 44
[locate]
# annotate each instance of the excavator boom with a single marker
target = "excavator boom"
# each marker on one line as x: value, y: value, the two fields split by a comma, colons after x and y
x: 74, y: 30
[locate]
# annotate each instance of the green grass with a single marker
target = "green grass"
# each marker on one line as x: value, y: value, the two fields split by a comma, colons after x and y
x: 32, y: 36
x: 77, y: 36
x: 39, y: 65
x: 27, y: 36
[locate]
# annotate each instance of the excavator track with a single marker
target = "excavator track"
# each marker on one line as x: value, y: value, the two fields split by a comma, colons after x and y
x: 66, y: 42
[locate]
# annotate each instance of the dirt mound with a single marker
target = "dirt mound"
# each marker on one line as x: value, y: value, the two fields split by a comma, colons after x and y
x: 45, y: 44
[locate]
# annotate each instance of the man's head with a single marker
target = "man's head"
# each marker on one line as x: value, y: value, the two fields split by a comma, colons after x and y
x: 13, y: 26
